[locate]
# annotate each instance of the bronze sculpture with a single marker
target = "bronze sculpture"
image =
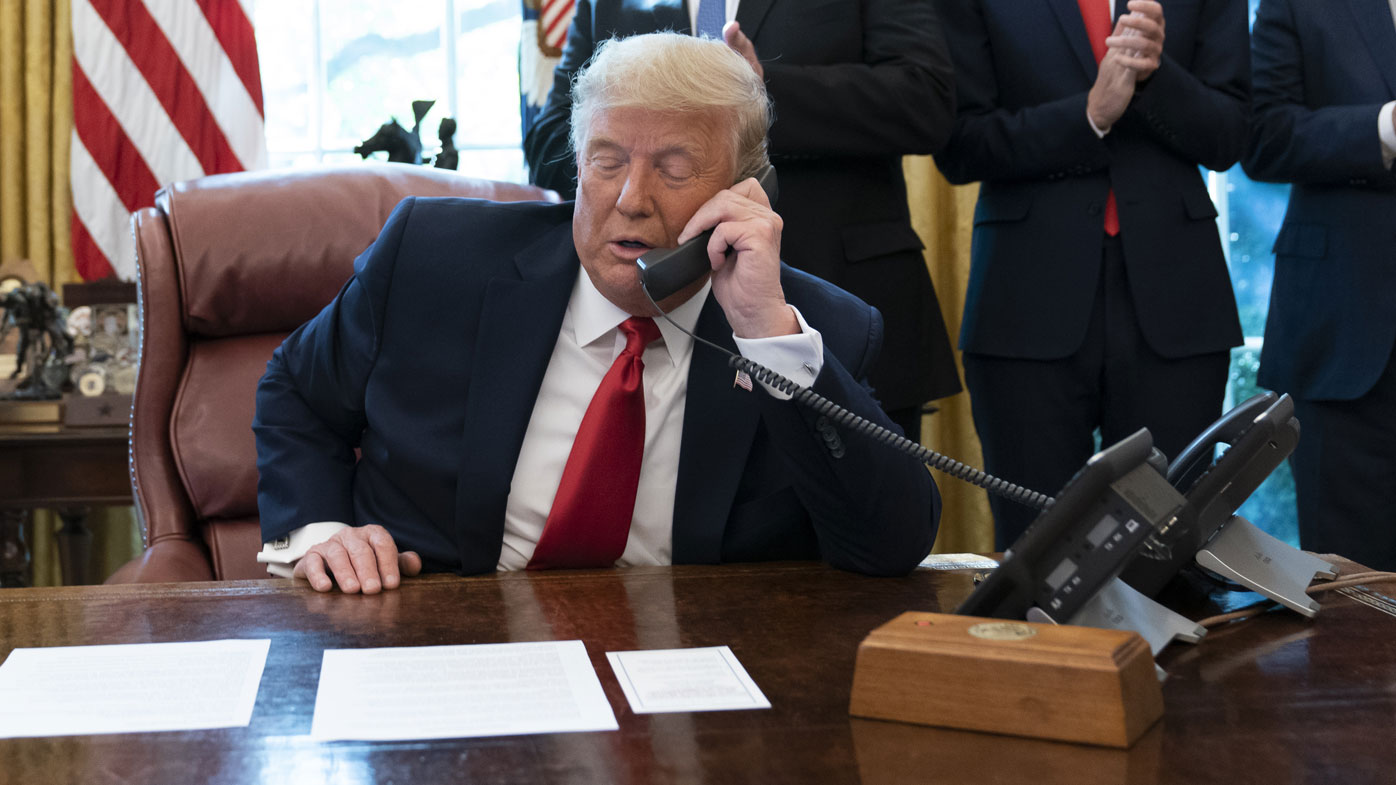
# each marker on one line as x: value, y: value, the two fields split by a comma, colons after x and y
x: 449, y: 157
x: 44, y: 343
x: 402, y: 146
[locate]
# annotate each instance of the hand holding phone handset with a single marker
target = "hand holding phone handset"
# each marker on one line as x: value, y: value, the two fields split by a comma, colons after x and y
x: 665, y: 271
x: 668, y: 270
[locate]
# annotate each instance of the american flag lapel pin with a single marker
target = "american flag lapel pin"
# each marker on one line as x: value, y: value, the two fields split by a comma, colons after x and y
x: 743, y: 381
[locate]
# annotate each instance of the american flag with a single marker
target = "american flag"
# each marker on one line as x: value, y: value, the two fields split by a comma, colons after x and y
x: 163, y: 90
x: 544, y: 33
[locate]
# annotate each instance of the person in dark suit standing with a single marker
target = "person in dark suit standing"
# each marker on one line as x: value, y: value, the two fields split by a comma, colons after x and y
x: 513, y: 404
x: 856, y: 85
x: 1099, y: 297
x: 1325, y: 88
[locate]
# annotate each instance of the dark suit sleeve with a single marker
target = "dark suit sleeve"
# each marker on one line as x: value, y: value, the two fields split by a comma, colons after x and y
x: 994, y: 142
x: 547, y: 148
x: 899, y: 100
x: 1198, y: 109
x: 873, y: 509
x: 310, y: 402
x: 1293, y: 138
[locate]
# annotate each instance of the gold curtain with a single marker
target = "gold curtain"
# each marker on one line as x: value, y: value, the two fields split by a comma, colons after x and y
x: 943, y: 215
x: 36, y: 121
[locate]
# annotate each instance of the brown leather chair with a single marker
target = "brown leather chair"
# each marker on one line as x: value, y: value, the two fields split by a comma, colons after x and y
x: 228, y: 265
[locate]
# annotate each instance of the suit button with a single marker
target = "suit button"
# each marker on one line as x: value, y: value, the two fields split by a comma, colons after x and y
x: 1094, y: 209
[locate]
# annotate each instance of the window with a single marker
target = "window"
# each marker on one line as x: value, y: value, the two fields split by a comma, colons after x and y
x: 332, y: 72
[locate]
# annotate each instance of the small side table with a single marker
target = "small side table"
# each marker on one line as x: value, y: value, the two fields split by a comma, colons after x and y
x: 66, y: 469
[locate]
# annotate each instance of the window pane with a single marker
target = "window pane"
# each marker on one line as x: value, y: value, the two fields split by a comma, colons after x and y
x: 505, y: 163
x: 284, y: 31
x: 1255, y: 210
x: 379, y: 58
x: 487, y: 79
x: 335, y: 70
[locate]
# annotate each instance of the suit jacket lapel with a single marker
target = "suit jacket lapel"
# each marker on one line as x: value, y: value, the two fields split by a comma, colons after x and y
x: 519, y: 324
x: 1069, y: 17
x: 751, y: 14
x: 1379, y: 31
x: 718, y: 426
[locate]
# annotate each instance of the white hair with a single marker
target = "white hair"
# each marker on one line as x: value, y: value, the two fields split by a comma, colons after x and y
x: 670, y: 72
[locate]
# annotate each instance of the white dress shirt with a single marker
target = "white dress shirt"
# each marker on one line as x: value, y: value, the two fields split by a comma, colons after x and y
x: 587, y: 345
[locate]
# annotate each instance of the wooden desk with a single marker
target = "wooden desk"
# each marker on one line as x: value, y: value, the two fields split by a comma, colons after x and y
x: 1274, y: 700
x: 68, y: 470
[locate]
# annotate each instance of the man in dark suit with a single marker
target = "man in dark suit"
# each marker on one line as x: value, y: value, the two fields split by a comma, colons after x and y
x: 1098, y: 296
x: 1325, y: 88
x: 466, y: 361
x: 856, y: 85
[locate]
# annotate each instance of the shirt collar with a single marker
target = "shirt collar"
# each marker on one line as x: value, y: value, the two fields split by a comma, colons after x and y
x: 594, y: 317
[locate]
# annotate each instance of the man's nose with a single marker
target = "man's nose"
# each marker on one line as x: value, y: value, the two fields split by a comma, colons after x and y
x: 637, y: 195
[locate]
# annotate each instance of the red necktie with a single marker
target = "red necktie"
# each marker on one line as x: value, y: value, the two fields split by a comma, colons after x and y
x: 1096, y: 15
x: 590, y: 519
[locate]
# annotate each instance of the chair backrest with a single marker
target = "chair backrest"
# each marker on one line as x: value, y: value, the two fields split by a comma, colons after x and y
x: 228, y: 266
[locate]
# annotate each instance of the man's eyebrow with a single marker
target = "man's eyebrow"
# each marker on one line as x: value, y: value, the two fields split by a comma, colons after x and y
x: 677, y: 150
x: 597, y: 145
x: 685, y: 154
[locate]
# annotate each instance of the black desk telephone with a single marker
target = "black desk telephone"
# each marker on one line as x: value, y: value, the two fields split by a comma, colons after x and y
x: 1124, y: 515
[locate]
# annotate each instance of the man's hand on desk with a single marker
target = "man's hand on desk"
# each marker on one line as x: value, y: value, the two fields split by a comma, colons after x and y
x: 360, y: 558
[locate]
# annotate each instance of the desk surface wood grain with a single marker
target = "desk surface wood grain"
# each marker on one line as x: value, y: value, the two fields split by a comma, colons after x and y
x: 1277, y: 699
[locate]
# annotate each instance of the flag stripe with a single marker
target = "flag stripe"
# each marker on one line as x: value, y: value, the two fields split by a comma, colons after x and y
x: 152, y: 54
x: 89, y: 260
x: 553, y: 26
x: 187, y: 31
x: 556, y: 17
x: 109, y: 146
x: 130, y: 98
x: 163, y: 91
x: 234, y: 31
x: 100, y: 210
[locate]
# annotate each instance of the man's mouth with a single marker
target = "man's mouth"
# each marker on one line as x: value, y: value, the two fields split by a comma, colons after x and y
x: 633, y: 244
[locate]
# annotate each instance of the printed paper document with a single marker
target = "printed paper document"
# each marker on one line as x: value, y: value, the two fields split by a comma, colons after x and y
x: 706, y: 679
x: 442, y: 692
x: 127, y: 688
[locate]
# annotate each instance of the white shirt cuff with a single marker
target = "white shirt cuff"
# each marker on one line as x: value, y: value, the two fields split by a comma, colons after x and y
x: 1387, y: 133
x: 1097, y: 130
x: 280, y: 555
x: 797, y: 357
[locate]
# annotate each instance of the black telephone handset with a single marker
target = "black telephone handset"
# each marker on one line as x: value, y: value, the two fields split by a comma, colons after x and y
x: 664, y: 271
x: 1260, y: 433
